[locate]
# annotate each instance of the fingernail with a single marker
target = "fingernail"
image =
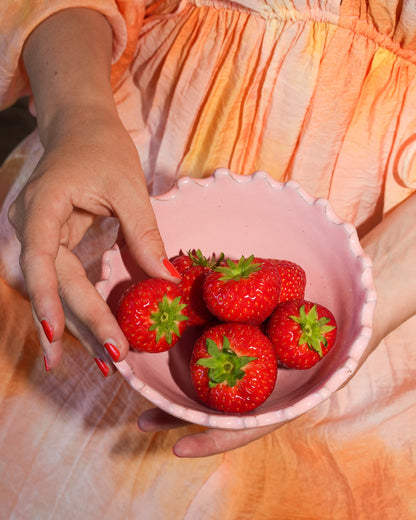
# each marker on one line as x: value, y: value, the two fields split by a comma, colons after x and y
x: 112, y: 350
x: 102, y: 366
x: 45, y: 360
x: 171, y: 268
x: 47, y: 329
x: 176, y: 450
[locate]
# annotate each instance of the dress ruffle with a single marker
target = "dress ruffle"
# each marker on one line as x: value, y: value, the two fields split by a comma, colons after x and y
x: 309, y: 96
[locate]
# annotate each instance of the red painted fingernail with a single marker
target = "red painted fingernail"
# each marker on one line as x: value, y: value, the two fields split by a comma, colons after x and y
x: 112, y: 350
x: 171, y: 268
x: 102, y: 366
x: 47, y: 329
x: 45, y: 360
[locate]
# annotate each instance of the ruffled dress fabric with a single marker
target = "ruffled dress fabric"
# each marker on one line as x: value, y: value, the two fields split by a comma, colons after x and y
x: 322, y: 92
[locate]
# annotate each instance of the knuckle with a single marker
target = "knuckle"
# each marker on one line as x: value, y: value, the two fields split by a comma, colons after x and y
x: 12, y: 214
x: 26, y: 259
x: 67, y: 286
x: 29, y: 202
x: 28, y: 195
x: 149, y: 236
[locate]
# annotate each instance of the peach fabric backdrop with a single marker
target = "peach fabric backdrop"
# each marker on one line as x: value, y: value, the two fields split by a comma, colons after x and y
x: 311, y: 90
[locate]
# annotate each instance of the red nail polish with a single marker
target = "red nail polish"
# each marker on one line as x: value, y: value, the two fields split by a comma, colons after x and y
x: 112, y: 350
x: 45, y: 360
x: 171, y: 268
x: 102, y: 366
x: 47, y: 329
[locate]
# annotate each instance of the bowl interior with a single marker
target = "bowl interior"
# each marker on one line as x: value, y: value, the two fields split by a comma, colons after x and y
x: 247, y: 216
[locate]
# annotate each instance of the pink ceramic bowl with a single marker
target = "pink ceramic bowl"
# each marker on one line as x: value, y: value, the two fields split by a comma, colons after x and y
x: 244, y: 215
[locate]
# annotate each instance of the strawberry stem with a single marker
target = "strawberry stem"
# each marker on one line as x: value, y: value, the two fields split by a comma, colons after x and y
x: 165, y: 319
x: 237, y: 270
x: 224, y: 365
x: 199, y: 259
x: 313, y: 329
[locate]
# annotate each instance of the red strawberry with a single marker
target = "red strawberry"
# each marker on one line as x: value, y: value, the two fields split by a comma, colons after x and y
x: 182, y: 261
x: 194, y: 267
x: 293, y: 279
x: 246, y: 291
x: 191, y: 285
x: 302, y: 333
x: 151, y: 315
x: 233, y: 367
x: 194, y: 257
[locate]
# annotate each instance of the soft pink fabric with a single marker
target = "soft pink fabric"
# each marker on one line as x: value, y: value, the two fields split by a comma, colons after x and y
x: 312, y: 90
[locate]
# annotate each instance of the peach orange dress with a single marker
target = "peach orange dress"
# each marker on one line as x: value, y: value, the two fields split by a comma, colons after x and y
x: 320, y: 91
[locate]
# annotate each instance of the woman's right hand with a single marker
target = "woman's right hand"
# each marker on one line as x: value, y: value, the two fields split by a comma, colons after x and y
x: 90, y: 169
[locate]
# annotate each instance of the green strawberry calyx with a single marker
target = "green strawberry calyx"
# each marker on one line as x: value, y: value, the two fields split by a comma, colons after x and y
x: 199, y: 259
x: 224, y: 365
x: 238, y: 270
x: 165, y: 319
x: 313, y: 329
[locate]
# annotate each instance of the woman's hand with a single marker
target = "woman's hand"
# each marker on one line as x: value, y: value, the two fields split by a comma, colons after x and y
x: 201, y: 444
x: 94, y: 171
x: 90, y: 168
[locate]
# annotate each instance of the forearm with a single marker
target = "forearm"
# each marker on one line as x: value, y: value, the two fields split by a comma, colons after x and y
x: 68, y: 61
x: 392, y: 248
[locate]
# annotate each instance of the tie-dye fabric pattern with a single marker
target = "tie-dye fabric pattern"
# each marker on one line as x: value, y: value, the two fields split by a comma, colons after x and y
x: 323, y: 92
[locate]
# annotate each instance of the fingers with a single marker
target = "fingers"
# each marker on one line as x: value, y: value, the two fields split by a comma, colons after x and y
x: 214, y: 442
x: 52, y: 350
x: 87, y: 312
x: 203, y: 444
x: 103, y: 359
x: 86, y: 316
x: 40, y: 242
x: 140, y: 230
x: 51, y: 215
x: 155, y: 420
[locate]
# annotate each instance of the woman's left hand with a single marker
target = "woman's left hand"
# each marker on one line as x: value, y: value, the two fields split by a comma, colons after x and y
x: 201, y: 444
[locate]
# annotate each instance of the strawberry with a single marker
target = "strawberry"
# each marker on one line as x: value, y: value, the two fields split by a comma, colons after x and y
x: 194, y: 267
x: 191, y: 285
x: 182, y: 261
x: 243, y: 291
x: 233, y: 367
x: 152, y: 315
x: 293, y: 279
x: 302, y: 333
x: 194, y: 257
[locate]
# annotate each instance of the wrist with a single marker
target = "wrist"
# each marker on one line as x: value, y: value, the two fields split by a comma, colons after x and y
x: 392, y: 247
x: 77, y: 122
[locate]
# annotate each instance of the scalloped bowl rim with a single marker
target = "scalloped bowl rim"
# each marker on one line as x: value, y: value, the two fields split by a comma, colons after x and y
x: 214, y: 419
